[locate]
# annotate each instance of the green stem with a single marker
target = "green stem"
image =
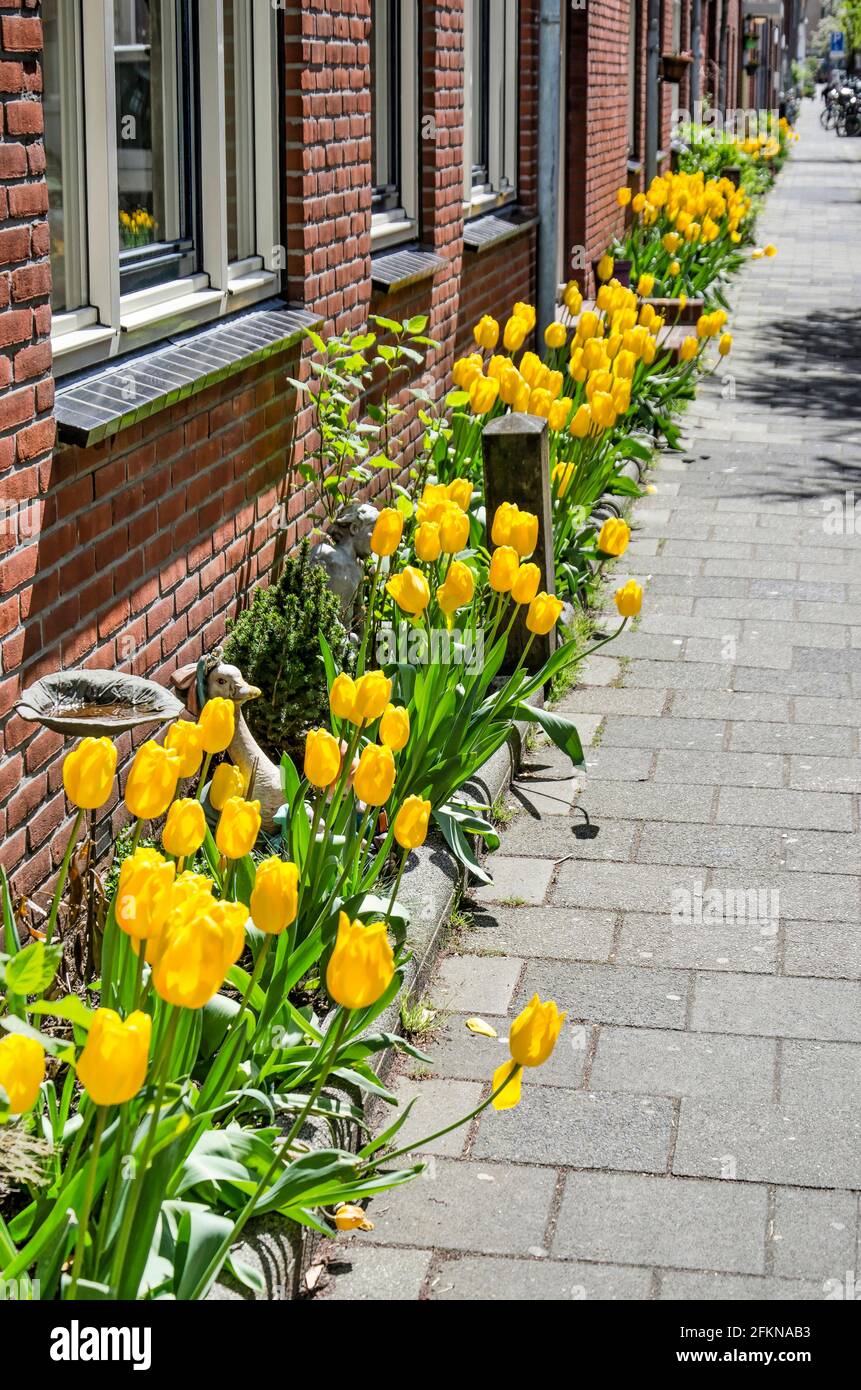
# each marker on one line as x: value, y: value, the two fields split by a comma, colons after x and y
x: 404, y: 857
x: 464, y: 1120
x: 204, y: 773
x: 252, y: 982
x: 92, y: 1170
x: 603, y: 642
x: 61, y: 881
x: 336, y: 1034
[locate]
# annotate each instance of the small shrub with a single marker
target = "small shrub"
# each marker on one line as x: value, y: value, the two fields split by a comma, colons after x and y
x: 276, y: 645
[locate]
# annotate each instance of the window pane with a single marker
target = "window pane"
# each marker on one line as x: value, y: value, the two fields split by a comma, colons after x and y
x: 64, y: 152
x: 385, y: 102
x: 239, y: 128
x: 151, y: 63
x: 480, y: 79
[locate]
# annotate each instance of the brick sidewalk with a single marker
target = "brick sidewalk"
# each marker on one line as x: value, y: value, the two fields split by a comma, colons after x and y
x: 696, y: 1133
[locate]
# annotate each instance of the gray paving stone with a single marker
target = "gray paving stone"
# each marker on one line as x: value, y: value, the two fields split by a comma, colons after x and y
x: 712, y: 846
x: 828, y: 711
x: 808, y: 897
x: 435, y: 1104
x: 780, y: 808
x: 768, y: 1007
x: 542, y: 795
x: 814, y: 1233
x: 555, y: 837
x: 618, y: 764
x: 649, y: 801
x: 670, y: 1063
x: 490, y: 1208
x: 697, y: 586
x: 609, y: 994
x: 756, y: 609
x: 722, y: 769
x: 821, y: 852
x: 476, y: 984
x: 768, y: 1143
x: 648, y: 646
x: 613, y: 700
x: 735, y: 1288
x: 359, y: 1272
x: 663, y: 1221
x: 556, y: 933
x: 473, y: 1278
x: 678, y: 675
x: 576, y: 1130
x: 810, y: 1071
x: 598, y: 671
x: 647, y: 939
x: 830, y: 659
x: 771, y: 655
x: 628, y: 888
x: 636, y: 732
x: 455, y: 1051
x: 806, y: 592
x: 808, y: 773
x: 813, y: 635
x: 519, y: 879
x: 803, y: 683
x: 822, y: 948
x: 731, y: 705
x: 752, y: 737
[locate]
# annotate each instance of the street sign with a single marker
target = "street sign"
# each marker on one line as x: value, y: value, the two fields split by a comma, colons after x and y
x: 838, y: 45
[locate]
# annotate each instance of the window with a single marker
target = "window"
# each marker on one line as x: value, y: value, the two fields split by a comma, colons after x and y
x: 161, y: 140
x: 394, y: 120
x: 490, y: 109
x: 633, y: 83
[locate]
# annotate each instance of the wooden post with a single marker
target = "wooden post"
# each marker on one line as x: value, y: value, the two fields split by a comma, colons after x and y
x: 517, y: 469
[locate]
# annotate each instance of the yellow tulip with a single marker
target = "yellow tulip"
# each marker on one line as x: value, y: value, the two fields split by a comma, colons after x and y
x: 725, y: 345
x: 144, y: 894
x: 502, y: 522
x: 769, y: 250
x: 185, y: 828
x: 349, y: 1217
x: 361, y: 966
x: 195, y: 951
x: 582, y: 423
x: 587, y: 326
x: 504, y: 564
x: 152, y: 779
x: 563, y: 477
x: 375, y: 775
x: 217, y: 723
x: 186, y: 739
x: 342, y: 696
x: 88, y: 773
x: 526, y: 312
x: 411, y: 823
x: 639, y: 202
x: 395, y: 727
x: 524, y: 533
x: 387, y: 532
x: 458, y: 589
x: 515, y: 334
x: 510, y: 385
x: 559, y: 413
x: 673, y: 269
x: 454, y: 530
x: 525, y: 585
x: 113, y: 1065
x: 22, y: 1070
x: 603, y: 410
x: 623, y: 197
x: 625, y: 365
x: 465, y: 370
x: 427, y: 542
x: 671, y: 242
x: 606, y: 266
x: 645, y: 285
x: 689, y: 349
x: 486, y: 333
x: 573, y: 298
x: 482, y: 394
x: 614, y: 536
x: 227, y: 781
x: 534, y: 1032
x: 540, y: 403
x: 410, y: 590
x: 459, y: 490
x: 275, y: 895
x: 629, y: 599
x: 322, y: 758
x: 373, y: 692
x: 238, y: 827
x: 543, y: 614
x: 556, y: 335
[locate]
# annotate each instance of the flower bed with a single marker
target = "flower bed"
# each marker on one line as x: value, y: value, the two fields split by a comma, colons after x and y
x: 147, y: 1115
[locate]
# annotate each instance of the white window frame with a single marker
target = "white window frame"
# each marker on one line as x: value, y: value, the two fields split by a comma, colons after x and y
x: 402, y: 223
x: 504, y: 85
x: 113, y: 323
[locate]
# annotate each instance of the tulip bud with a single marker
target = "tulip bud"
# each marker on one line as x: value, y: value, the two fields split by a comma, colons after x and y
x: 217, y: 723
x: 375, y: 775
x: 113, y: 1065
x: 543, y: 614
x: 515, y: 334
x: 460, y: 490
x: 427, y: 542
x: 373, y: 692
x: 195, y: 951
x: 152, y: 779
x: 606, y: 266
x: 186, y: 739
x: 524, y: 533
x: 629, y: 599
x: 395, y: 728
x: 227, y: 781
x: 525, y: 585
x: 275, y: 896
x: 238, y: 827
x: 22, y: 1070
x: 486, y: 333
x: 144, y: 894
x: 411, y: 823
x: 556, y: 335
x: 88, y: 773
x: 534, y: 1032
x: 614, y: 536
x: 185, y: 828
x: 454, y: 531
x: 504, y: 564
x: 342, y: 696
x: 387, y: 532
x: 361, y: 966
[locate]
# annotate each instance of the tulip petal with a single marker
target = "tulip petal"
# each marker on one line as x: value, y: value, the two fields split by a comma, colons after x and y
x: 509, y: 1097
x: 484, y: 1030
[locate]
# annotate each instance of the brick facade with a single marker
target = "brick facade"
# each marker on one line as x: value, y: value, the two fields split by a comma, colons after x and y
x: 134, y: 552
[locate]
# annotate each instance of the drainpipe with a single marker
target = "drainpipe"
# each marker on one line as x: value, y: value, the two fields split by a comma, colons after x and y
x: 549, y: 55
x: 697, y: 45
x: 653, y: 91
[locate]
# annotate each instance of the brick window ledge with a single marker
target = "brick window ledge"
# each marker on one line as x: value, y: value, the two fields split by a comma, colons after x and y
x: 398, y: 270
x: 482, y: 234
x: 94, y: 405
